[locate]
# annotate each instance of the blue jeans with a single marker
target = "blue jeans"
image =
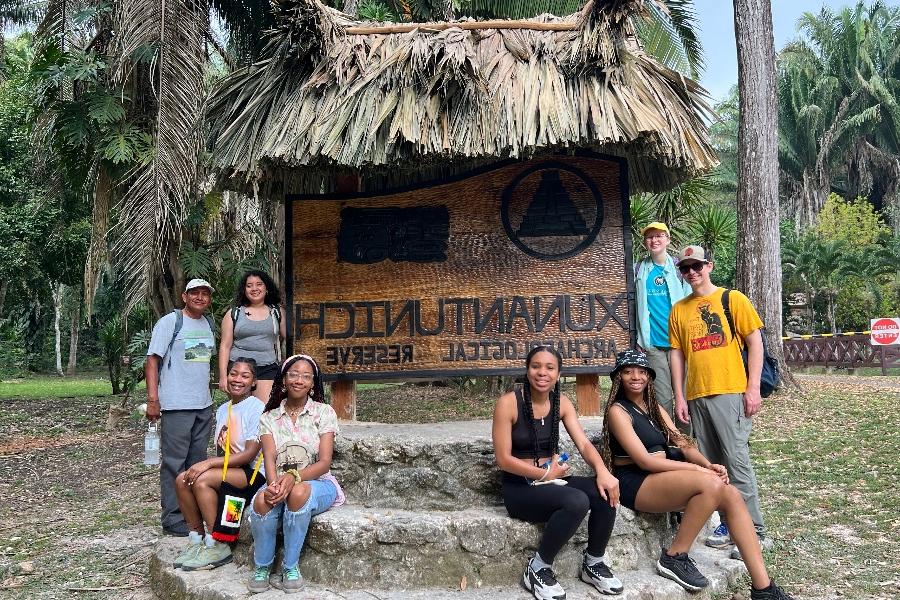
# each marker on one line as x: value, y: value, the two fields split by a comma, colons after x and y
x: 294, y: 524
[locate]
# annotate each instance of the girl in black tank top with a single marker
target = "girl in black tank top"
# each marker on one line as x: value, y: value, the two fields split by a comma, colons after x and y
x: 537, y: 485
x: 637, y: 430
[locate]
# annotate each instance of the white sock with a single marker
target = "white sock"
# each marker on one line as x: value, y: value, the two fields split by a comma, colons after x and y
x: 210, y: 542
x: 194, y: 538
x: 537, y: 563
x: 591, y: 560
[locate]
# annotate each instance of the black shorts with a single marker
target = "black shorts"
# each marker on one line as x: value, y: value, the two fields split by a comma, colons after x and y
x: 267, y: 372
x: 630, y: 480
x: 257, y: 483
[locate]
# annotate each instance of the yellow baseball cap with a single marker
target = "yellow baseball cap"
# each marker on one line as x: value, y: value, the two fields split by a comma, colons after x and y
x: 655, y: 225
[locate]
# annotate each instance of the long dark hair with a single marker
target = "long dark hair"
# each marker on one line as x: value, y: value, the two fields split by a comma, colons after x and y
x: 654, y: 413
x: 273, y: 294
x: 279, y: 392
x: 554, y: 404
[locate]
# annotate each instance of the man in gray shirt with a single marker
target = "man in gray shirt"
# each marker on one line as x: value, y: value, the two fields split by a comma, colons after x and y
x: 177, y: 372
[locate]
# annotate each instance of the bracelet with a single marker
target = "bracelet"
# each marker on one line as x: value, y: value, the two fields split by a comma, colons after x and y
x: 296, y: 474
x: 547, y: 472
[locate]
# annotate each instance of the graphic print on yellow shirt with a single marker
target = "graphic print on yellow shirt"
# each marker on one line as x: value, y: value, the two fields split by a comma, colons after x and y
x: 698, y: 327
x: 707, y: 333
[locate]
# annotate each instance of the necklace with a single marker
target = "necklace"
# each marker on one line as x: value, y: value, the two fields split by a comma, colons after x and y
x: 294, y: 412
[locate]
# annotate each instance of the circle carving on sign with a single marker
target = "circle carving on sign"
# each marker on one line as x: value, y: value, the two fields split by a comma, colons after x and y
x: 552, y: 211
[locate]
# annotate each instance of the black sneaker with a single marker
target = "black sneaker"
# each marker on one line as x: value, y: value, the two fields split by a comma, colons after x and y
x: 601, y: 577
x: 542, y: 584
x: 682, y: 570
x: 773, y: 592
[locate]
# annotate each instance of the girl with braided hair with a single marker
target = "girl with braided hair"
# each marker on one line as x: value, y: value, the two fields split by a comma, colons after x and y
x: 660, y: 470
x: 537, y: 486
x: 297, y: 432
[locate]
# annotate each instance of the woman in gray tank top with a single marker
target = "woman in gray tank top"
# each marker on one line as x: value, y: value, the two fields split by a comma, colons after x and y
x: 253, y: 328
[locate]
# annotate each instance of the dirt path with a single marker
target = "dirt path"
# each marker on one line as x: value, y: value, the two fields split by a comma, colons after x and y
x: 80, y: 511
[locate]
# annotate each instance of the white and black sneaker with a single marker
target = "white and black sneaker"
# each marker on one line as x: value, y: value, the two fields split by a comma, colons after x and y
x: 542, y: 584
x: 599, y: 576
x: 682, y: 570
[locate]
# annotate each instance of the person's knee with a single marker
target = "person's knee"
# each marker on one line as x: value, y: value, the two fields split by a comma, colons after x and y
x: 577, y: 504
x: 298, y: 496
x: 712, y: 484
x: 731, y: 495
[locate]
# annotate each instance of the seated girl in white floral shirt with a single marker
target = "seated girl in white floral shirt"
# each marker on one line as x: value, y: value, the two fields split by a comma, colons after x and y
x: 297, y: 435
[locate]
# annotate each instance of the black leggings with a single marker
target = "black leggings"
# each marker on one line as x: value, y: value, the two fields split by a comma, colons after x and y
x: 563, y: 508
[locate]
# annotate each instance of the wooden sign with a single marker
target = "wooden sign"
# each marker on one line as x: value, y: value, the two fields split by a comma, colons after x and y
x: 465, y: 276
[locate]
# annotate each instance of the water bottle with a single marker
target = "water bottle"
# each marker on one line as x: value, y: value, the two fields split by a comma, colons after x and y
x: 151, y: 446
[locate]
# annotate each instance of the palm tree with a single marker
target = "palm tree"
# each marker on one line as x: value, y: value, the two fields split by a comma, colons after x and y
x: 838, y: 98
x: 758, y: 264
x: 148, y: 63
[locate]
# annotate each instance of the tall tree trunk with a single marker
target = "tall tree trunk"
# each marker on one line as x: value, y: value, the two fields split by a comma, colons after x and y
x: 4, y: 285
x: 56, y: 290
x: 74, y: 331
x: 758, y: 242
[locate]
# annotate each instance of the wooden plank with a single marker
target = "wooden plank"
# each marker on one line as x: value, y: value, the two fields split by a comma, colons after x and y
x: 343, y: 399
x: 387, y: 292
x: 466, y: 25
x: 588, y: 395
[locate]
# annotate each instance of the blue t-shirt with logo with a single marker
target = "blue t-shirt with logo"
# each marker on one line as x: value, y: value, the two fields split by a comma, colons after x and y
x: 659, y: 305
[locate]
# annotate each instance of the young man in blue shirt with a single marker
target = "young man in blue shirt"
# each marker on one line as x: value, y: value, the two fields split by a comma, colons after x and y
x: 658, y: 286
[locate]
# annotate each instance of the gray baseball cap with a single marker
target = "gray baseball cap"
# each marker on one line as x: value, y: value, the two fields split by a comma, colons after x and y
x: 692, y: 254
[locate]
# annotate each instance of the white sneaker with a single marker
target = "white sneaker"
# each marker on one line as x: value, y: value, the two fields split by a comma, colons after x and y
x: 601, y: 577
x: 542, y: 584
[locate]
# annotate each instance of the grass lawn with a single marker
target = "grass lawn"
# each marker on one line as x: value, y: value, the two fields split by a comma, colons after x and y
x: 828, y: 473
x: 56, y: 387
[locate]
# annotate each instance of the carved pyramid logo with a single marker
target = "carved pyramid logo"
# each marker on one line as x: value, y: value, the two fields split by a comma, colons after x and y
x: 552, y: 211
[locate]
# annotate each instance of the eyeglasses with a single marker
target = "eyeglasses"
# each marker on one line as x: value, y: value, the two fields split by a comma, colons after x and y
x: 696, y: 266
x: 292, y: 376
x: 657, y: 236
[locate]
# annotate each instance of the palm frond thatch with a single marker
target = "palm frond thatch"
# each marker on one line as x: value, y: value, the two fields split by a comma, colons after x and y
x: 320, y: 99
x: 159, y: 192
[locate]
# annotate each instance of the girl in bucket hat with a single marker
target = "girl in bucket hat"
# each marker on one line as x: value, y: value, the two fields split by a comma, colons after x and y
x: 660, y: 470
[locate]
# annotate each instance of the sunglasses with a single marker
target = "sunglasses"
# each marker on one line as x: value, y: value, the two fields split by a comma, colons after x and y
x: 696, y: 266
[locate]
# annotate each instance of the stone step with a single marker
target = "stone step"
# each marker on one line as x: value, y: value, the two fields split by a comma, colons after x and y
x: 358, y: 546
x: 433, y: 466
x: 229, y: 583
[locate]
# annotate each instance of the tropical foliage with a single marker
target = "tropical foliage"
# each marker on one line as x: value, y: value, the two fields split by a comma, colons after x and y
x: 839, y: 110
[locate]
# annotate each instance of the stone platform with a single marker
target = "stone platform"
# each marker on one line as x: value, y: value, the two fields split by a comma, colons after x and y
x: 423, y: 513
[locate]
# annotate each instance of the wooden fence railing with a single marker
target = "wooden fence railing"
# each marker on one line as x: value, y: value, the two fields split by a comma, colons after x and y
x: 849, y: 352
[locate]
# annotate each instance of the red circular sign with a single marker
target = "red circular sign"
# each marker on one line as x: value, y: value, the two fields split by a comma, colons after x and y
x: 885, y: 331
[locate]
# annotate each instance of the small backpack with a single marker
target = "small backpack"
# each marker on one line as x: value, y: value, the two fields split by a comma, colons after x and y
x: 770, y: 377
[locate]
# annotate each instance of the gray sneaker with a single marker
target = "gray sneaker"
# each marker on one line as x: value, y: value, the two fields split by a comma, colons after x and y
x: 682, y: 570
x: 259, y: 581
x: 719, y: 538
x: 208, y: 557
x: 291, y: 580
x: 188, y: 553
x: 765, y: 543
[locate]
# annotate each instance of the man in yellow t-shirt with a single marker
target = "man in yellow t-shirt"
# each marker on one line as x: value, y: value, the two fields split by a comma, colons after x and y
x: 721, y: 397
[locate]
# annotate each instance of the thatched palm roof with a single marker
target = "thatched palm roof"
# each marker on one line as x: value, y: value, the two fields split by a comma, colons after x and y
x: 325, y: 99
